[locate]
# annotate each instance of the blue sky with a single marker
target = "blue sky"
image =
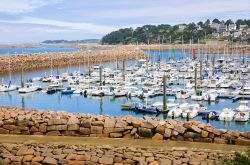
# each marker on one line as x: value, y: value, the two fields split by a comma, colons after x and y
x: 24, y: 21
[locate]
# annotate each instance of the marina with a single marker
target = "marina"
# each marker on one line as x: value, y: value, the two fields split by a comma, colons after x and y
x: 135, y: 87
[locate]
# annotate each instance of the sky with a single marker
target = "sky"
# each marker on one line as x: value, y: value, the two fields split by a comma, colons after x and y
x: 27, y: 21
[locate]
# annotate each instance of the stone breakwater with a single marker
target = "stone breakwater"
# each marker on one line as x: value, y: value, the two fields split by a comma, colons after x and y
x: 54, y: 154
x: 37, y: 122
x: 45, y: 60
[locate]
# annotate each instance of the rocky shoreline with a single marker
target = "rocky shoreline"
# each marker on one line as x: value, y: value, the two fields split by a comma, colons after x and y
x: 44, y: 60
x: 15, y: 120
x: 54, y: 154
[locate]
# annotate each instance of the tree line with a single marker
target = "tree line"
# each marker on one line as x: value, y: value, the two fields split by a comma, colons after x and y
x: 164, y: 33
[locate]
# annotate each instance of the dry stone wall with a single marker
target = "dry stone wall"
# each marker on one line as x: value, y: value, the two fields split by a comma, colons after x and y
x: 38, y: 122
x: 54, y: 154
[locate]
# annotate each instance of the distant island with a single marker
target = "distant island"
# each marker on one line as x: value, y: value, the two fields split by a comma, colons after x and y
x: 71, y: 42
x: 201, y: 32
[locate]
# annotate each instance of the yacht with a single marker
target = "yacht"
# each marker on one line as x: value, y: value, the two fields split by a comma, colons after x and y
x: 226, y: 115
x: 28, y: 88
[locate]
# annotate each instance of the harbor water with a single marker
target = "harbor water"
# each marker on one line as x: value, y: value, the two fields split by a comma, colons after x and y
x: 107, y: 105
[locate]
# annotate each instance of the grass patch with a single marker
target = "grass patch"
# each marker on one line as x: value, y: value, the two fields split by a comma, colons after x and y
x: 238, y: 159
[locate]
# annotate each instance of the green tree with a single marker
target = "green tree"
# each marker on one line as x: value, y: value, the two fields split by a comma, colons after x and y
x: 216, y: 21
x: 229, y: 21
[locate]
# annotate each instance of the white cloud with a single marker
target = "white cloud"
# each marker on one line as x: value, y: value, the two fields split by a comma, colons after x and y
x: 89, y: 27
x: 23, y: 6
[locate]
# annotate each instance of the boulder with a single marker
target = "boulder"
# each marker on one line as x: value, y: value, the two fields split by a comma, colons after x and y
x: 168, y: 132
x: 220, y: 140
x: 57, y: 122
x: 243, y: 141
x: 73, y: 120
x: 53, y: 133
x: 150, y: 124
x: 145, y: 132
x: 86, y: 123
x: 116, y: 135
x: 136, y: 123
x: 4, y: 131
x: 113, y: 130
x: 157, y: 136
x: 204, y: 134
x: 106, y: 160
x: 192, y: 135
x: 96, y: 130
x: 121, y: 123
x: 50, y: 161
x: 179, y: 128
x: 245, y: 134
x: 57, y: 128
x: 73, y: 127
x: 160, y: 129
x: 97, y: 123
x: 195, y: 129
x: 109, y: 123
x: 84, y: 131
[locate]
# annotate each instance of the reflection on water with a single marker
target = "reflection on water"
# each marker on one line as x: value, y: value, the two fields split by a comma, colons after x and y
x: 106, y: 106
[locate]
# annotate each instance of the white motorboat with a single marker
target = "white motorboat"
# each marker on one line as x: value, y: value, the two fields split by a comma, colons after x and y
x: 226, y: 115
x: 7, y: 88
x: 241, y: 116
x: 182, y: 94
x: 243, y: 106
x: 175, y: 112
x: 29, y: 87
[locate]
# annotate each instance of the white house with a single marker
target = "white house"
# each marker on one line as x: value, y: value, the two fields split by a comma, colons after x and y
x: 237, y: 34
x: 226, y: 34
x: 215, y: 34
x: 243, y: 27
x: 182, y: 27
x: 232, y: 27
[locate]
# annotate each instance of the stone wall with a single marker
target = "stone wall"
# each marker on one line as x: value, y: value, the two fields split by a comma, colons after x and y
x: 38, y: 122
x: 53, y: 154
